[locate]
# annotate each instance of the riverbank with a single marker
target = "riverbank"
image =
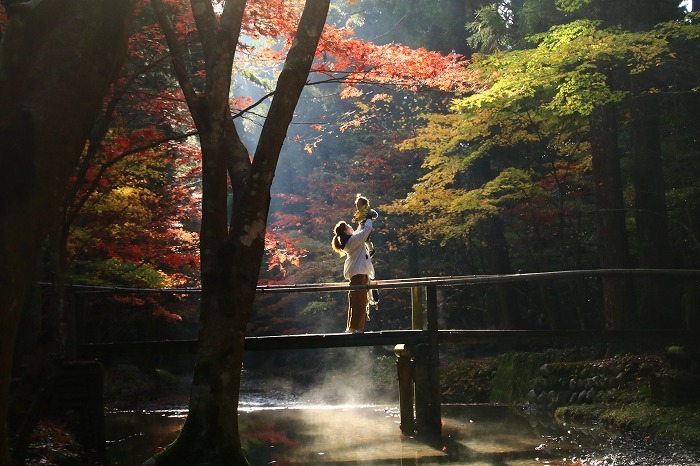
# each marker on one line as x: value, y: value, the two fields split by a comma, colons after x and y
x: 677, y: 424
x: 645, y: 394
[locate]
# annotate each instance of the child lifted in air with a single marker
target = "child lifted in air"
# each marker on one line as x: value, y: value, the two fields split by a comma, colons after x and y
x: 362, y: 213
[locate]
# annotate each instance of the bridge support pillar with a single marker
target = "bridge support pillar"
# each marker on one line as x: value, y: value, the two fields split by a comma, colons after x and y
x: 419, y: 373
x: 427, y: 374
x: 404, y: 369
x: 427, y: 393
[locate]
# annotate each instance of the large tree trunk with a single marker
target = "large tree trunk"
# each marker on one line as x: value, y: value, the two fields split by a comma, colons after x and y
x: 57, y: 59
x: 231, y: 262
x: 610, y: 215
x: 39, y: 363
x: 653, y: 247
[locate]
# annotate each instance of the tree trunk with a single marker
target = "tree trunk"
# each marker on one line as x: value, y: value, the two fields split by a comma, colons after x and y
x: 497, y: 254
x: 653, y: 247
x: 43, y: 358
x: 57, y: 59
x: 499, y: 263
x: 231, y: 263
x: 610, y: 215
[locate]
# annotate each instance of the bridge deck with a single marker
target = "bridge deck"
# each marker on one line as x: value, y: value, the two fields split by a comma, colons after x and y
x: 394, y: 337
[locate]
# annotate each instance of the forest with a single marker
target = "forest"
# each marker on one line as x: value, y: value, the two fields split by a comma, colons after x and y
x: 202, y: 149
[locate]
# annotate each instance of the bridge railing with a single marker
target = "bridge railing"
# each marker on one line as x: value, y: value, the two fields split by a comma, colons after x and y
x: 419, y: 285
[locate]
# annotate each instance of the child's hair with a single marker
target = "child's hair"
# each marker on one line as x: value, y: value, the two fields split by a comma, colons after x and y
x: 340, y: 237
x: 361, y: 201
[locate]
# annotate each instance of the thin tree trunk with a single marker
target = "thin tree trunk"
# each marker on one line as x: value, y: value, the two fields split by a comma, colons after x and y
x: 497, y: 253
x: 499, y: 263
x: 653, y: 247
x: 610, y: 215
x: 57, y: 59
x: 412, y: 256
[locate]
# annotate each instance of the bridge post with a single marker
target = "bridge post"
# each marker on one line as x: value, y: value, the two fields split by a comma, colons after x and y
x: 427, y: 374
x: 417, y: 307
x: 404, y: 369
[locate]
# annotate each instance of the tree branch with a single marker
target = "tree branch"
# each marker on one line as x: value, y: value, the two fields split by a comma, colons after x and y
x: 290, y: 84
x: 178, y: 58
x: 72, y: 213
x: 205, y: 18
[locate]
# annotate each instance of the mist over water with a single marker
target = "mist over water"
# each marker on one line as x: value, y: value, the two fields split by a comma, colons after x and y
x: 338, y: 377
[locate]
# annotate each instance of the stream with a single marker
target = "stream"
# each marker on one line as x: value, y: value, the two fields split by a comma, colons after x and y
x: 278, y: 428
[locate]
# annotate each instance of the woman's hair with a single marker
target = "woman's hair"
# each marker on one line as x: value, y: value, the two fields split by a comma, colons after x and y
x: 340, y: 237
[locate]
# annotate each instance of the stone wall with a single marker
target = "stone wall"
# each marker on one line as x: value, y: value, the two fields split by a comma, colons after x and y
x: 566, y: 383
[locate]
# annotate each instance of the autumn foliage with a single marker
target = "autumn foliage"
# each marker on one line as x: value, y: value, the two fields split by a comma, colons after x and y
x: 134, y: 197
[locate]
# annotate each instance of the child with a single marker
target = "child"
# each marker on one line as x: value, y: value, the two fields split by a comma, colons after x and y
x: 362, y: 213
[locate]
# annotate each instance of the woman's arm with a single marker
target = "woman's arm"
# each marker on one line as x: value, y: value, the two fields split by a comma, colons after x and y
x: 359, y: 236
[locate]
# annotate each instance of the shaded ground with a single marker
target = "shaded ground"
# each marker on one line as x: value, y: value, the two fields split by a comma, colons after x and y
x: 632, y: 449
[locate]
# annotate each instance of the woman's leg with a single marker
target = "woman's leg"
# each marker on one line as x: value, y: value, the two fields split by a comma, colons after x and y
x: 357, y: 311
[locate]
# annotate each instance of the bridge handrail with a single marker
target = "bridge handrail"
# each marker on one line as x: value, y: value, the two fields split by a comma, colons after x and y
x: 399, y: 283
x: 474, y: 279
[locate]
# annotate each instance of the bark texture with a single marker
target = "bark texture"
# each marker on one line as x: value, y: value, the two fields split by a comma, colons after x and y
x: 650, y: 213
x: 57, y: 60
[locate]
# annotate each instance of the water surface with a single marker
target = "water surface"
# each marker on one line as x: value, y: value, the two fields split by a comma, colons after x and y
x: 336, y: 425
x: 340, y: 435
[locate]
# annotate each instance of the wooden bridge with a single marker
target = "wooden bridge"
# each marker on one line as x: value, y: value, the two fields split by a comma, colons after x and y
x: 417, y: 349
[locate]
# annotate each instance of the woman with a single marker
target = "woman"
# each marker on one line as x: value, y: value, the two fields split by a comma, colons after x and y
x: 358, y: 269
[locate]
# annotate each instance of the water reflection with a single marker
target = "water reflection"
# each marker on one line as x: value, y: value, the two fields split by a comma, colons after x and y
x: 344, y: 435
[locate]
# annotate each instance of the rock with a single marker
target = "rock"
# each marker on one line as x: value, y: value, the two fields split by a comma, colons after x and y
x: 572, y: 384
x: 590, y: 395
x: 531, y: 396
x: 620, y: 378
x: 545, y: 370
x: 582, y: 396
